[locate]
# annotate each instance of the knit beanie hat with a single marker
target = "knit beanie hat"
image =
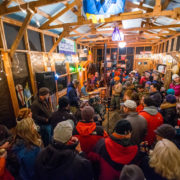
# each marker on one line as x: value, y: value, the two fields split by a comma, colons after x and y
x: 123, y: 127
x: 116, y: 78
x: 63, y: 102
x: 171, y: 98
x: 130, y: 104
x: 87, y: 113
x: 148, y: 82
x: 130, y: 172
x: 63, y: 131
x: 174, y: 76
x: 43, y: 91
x: 171, y: 91
x: 166, y: 131
x: 5, y: 136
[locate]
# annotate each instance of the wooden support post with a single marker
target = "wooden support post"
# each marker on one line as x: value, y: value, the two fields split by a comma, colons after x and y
x: 54, y: 40
x: 10, y: 80
x: 157, y: 7
x: 2, y: 36
x: 68, y: 72
x: 30, y: 64
x: 20, y: 33
x: 175, y: 43
x: 169, y: 47
x: 43, y: 42
x: 58, y: 41
x: 165, y: 44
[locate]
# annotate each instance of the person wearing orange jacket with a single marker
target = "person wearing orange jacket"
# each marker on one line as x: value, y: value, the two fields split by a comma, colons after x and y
x: 87, y: 131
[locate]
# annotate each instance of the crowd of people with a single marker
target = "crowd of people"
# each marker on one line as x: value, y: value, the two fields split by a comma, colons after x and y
x: 70, y: 144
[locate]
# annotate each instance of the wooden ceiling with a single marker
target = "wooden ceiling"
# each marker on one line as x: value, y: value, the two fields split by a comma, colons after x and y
x: 101, y: 32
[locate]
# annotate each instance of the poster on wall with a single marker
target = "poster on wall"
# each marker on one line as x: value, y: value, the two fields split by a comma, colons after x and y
x: 67, y: 47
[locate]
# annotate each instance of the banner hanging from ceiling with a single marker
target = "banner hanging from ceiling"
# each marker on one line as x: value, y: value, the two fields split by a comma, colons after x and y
x: 67, y: 47
x: 103, y: 7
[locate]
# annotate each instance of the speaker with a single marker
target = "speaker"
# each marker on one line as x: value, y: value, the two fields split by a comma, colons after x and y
x: 46, y: 79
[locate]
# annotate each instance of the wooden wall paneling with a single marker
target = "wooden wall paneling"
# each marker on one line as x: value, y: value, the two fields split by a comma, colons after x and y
x: 43, y: 42
x: 30, y: 64
x: 2, y: 36
x: 7, y: 68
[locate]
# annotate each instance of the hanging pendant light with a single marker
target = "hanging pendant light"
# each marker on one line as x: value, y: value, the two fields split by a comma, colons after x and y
x: 117, y: 35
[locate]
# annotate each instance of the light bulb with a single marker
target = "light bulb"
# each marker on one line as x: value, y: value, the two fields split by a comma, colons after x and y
x: 122, y: 44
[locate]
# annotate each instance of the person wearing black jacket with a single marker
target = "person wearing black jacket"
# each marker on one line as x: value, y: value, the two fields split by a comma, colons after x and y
x: 62, y: 114
x: 63, y: 159
x: 41, y: 112
x: 168, y: 110
x: 155, y: 94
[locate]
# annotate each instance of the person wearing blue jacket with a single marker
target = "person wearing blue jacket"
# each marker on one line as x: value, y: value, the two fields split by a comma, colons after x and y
x: 72, y: 94
x: 27, y: 146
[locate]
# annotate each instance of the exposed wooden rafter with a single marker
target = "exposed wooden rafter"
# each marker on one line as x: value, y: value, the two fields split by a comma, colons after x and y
x: 124, y: 16
x: 165, y: 4
x: 5, y: 3
x: 63, y: 34
x: 131, y: 29
x: 68, y: 7
x: 32, y: 5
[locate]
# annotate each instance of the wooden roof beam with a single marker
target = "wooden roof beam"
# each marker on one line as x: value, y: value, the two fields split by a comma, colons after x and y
x: 123, y: 16
x: 140, y: 6
x: 42, y: 13
x: 68, y: 7
x: 21, y: 33
x: 65, y: 32
x: 129, y: 30
x: 165, y: 4
x: 31, y: 5
x: 5, y: 3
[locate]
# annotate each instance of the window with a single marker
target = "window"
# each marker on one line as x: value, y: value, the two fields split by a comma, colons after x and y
x: 62, y: 83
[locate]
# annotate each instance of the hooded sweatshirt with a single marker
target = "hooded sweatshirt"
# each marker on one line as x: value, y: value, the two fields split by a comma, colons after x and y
x: 111, y: 154
x: 154, y: 119
x: 60, y: 161
x: 88, y: 134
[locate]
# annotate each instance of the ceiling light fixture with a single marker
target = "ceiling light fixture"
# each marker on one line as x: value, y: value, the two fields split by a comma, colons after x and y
x: 122, y: 44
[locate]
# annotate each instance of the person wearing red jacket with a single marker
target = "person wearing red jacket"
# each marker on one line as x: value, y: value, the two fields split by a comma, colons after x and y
x: 4, y: 173
x: 153, y: 117
x: 111, y: 154
x: 87, y: 131
x: 144, y: 78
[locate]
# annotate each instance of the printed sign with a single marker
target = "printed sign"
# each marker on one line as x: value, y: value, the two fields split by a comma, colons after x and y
x: 67, y: 46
